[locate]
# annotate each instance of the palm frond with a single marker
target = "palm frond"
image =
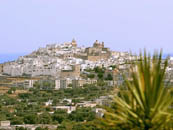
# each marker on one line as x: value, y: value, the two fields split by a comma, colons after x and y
x: 147, y: 106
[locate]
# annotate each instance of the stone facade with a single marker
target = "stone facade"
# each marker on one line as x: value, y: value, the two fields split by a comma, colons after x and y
x: 60, y: 84
x: 74, y: 43
x: 24, y: 83
x: 75, y: 72
x: 76, y: 83
x: 97, y: 52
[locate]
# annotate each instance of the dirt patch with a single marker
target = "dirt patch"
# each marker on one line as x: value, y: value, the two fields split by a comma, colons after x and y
x: 4, y: 90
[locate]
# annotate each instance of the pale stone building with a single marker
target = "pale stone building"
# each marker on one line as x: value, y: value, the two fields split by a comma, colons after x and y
x: 61, y: 84
x: 72, y: 71
x: 4, y: 123
x: 97, y: 52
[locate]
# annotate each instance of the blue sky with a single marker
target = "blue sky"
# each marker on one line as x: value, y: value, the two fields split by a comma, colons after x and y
x: 123, y: 25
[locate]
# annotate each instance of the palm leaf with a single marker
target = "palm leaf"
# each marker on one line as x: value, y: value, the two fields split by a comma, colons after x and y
x: 149, y: 99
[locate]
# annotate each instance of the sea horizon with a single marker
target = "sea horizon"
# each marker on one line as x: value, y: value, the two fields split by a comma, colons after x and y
x: 7, y: 57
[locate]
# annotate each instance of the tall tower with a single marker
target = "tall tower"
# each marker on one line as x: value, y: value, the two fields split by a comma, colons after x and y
x: 96, y: 43
x: 103, y: 44
x: 74, y: 43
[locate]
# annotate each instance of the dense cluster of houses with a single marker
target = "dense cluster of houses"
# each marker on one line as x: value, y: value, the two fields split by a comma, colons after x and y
x: 61, y: 66
x: 66, y: 62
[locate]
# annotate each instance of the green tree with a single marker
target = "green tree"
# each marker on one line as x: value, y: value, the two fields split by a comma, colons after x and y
x: 91, y: 76
x: 21, y: 128
x: 58, y: 117
x: 45, y: 118
x: 16, y: 121
x: 109, y: 77
x: 40, y: 128
x: 2, y: 117
x: 11, y: 90
x: 79, y: 127
x: 82, y: 114
x: 101, y: 83
x: 146, y: 103
x: 30, y: 119
x: 99, y: 70
x: 37, y: 85
x: 61, y: 127
x: 100, y: 75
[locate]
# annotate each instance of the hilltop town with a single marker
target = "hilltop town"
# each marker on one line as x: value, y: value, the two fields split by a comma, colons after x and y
x: 55, y: 59
x: 67, y: 61
x: 64, y: 63
x: 63, y: 83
